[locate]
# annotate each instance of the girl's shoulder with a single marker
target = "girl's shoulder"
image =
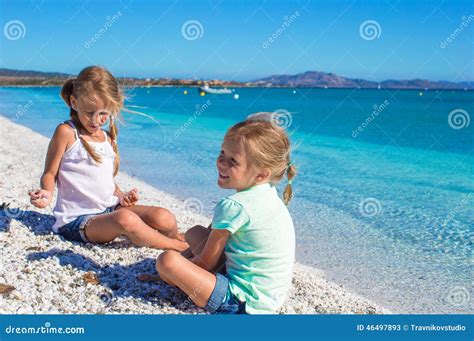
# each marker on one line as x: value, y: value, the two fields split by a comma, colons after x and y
x: 228, y: 204
x: 230, y: 215
x: 228, y: 209
x: 65, y: 129
x: 64, y: 134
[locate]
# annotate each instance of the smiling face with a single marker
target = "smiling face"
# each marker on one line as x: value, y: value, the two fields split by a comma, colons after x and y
x: 234, y: 170
x: 232, y: 167
x: 91, y: 114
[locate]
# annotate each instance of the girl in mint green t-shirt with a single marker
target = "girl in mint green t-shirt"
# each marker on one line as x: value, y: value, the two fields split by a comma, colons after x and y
x: 243, y: 263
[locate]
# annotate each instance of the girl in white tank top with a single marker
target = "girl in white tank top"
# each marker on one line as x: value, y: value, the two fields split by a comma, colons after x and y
x: 83, y: 160
x: 79, y: 192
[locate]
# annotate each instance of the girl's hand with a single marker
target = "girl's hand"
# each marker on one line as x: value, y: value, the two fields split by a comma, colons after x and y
x: 40, y: 198
x: 129, y: 199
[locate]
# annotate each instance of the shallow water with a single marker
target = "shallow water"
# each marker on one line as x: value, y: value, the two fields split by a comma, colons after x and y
x: 385, y: 209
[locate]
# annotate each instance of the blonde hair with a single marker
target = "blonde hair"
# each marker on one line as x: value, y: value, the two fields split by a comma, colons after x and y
x: 91, y: 82
x: 266, y: 146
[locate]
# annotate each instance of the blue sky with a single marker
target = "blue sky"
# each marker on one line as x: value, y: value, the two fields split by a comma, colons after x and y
x: 146, y: 40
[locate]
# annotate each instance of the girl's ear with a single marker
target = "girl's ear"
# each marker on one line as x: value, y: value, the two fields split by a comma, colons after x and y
x: 73, y: 102
x: 263, y: 175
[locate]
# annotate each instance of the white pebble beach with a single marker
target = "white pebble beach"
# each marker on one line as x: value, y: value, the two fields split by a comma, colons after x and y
x: 47, y: 273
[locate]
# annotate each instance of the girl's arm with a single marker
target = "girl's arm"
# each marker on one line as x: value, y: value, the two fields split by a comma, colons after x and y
x: 212, y: 250
x: 62, y: 138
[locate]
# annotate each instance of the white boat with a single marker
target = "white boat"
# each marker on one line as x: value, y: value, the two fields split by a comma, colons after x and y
x: 209, y: 90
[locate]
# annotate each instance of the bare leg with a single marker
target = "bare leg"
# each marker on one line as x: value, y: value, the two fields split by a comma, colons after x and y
x: 197, y: 237
x: 104, y: 228
x: 196, y: 282
x: 157, y: 217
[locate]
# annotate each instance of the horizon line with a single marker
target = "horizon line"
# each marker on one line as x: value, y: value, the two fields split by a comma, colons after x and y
x: 252, y: 80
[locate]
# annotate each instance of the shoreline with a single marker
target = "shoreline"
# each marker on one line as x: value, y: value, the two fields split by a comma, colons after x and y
x: 48, y: 272
x: 251, y: 87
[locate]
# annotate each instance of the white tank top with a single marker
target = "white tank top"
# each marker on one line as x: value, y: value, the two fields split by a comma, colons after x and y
x: 84, y: 186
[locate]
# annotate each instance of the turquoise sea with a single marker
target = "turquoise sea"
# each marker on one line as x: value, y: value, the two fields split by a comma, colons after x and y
x: 384, y: 194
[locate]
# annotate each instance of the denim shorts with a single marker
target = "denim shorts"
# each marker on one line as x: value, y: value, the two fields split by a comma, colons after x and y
x: 74, y: 230
x: 222, y: 301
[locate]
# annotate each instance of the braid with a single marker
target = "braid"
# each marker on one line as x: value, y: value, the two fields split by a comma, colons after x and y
x: 113, y: 135
x: 288, y: 192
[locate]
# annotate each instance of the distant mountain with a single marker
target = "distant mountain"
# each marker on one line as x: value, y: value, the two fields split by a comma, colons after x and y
x: 313, y: 79
x: 316, y: 79
x: 31, y: 74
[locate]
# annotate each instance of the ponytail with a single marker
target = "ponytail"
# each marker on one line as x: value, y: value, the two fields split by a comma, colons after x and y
x: 66, y: 91
x: 113, y: 132
x: 288, y: 192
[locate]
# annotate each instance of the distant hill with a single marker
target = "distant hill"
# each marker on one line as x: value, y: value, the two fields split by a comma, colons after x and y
x: 9, y: 77
x: 31, y: 74
x: 313, y: 79
x: 28, y: 78
x: 322, y: 79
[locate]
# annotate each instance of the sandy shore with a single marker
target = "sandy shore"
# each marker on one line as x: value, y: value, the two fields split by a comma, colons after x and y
x: 51, y: 275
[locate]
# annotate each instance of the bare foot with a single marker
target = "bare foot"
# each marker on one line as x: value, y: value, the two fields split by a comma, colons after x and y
x: 177, y: 235
x: 180, y: 246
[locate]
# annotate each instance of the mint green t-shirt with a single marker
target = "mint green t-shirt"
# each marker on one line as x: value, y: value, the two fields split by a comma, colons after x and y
x: 260, y: 251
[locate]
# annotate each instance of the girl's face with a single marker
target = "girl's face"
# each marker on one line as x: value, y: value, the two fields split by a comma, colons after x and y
x: 234, y: 170
x: 92, y: 115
